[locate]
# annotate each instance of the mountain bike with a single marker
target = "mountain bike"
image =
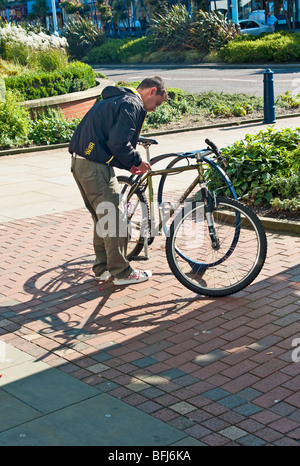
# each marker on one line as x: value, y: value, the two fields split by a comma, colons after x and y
x: 215, y: 245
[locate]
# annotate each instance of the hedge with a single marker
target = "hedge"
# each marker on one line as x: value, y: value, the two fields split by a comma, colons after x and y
x: 277, y: 48
x: 77, y: 76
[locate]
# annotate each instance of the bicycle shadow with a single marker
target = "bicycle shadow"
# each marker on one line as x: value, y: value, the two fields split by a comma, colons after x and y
x: 57, y: 291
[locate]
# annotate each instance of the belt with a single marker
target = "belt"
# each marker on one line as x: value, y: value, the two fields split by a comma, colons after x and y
x: 76, y: 156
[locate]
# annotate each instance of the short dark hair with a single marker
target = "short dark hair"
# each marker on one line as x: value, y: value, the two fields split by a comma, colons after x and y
x: 157, y: 82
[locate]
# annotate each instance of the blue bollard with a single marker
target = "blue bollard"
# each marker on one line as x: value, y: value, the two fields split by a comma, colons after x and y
x: 269, y: 102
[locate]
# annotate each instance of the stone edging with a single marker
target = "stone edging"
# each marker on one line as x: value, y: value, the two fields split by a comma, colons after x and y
x: 273, y: 225
x: 72, y: 97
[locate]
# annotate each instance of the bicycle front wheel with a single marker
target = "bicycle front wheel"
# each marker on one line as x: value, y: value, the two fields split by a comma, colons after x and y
x: 222, y: 266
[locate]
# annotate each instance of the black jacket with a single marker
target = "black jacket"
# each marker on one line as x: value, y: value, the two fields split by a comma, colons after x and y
x: 109, y: 131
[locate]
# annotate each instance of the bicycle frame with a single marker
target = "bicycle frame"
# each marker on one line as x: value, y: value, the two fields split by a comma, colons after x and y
x: 166, y: 171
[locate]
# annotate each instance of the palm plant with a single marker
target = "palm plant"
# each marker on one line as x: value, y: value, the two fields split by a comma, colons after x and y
x: 82, y: 35
x: 39, y: 11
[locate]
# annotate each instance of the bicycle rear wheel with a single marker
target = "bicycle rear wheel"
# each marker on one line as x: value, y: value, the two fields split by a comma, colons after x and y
x: 137, y: 212
x: 216, y: 269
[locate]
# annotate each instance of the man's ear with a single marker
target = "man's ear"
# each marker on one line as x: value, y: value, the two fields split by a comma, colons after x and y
x: 153, y: 91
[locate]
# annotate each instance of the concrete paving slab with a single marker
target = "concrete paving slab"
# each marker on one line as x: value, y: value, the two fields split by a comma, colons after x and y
x: 45, y: 389
x: 42, y: 406
x: 14, y: 412
x: 10, y: 356
x: 33, y: 209
x: 98, y: 421
x: 28, y: 198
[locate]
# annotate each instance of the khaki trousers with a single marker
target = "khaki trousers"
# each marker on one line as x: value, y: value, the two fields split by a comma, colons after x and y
x: 100, y: 190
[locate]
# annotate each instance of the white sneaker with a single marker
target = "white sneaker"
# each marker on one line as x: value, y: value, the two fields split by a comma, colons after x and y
x: 136, y: 276
x: 105, y: 276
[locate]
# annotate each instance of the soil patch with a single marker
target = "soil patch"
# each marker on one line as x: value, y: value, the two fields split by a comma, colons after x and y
x: 198, y: 120
x: 266, y: 211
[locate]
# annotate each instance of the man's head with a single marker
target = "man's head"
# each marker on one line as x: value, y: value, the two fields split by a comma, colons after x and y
x: 153, y: 93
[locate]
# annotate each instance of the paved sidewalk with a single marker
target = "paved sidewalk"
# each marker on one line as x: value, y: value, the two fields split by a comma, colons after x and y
x: 84, y: 363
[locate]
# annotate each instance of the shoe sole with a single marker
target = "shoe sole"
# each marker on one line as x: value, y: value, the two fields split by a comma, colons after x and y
x: 121, y: 281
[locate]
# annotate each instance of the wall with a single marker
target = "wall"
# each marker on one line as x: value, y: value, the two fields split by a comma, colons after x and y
x: 72, y: 105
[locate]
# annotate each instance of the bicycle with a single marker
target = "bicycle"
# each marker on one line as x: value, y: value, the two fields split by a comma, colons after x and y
x: 215, y: 246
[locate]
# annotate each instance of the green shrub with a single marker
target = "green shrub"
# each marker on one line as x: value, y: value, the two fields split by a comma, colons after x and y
x: 173, y: 56
x: 14, y: 122
x: 293, y: 160
x: 135, y: 50
x: 292, y: 205
x: 15, y: 52
x: 287, y: 193
x: 287, y: 187
x: 51, y: 127
x: 75, y: 77
x: 163, y: 114
x: 10, y: 69
x: 278, y: 47
x: 48, y: 60
x: 288, y: 100
x: 224, y: 104
x: 255, y: 161
x: 106, y: 53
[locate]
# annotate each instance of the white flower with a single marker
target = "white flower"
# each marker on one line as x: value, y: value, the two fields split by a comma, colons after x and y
x: 40, y: 41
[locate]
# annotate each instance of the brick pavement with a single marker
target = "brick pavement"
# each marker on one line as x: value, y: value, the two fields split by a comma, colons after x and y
x: 220, y: 370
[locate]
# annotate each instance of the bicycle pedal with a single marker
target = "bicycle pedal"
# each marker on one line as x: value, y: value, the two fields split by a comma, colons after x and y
x: 140, y: 258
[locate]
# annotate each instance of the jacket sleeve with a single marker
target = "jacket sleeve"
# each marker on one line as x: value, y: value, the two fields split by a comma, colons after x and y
x: 121, y: 135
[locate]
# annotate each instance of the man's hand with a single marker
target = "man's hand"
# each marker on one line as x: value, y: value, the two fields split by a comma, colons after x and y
x: 142, y: 168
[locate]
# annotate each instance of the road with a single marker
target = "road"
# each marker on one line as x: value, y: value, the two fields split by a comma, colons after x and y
x: 220, y: 79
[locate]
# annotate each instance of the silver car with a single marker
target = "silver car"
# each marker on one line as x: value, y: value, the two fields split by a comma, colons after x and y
x: 250, y: 26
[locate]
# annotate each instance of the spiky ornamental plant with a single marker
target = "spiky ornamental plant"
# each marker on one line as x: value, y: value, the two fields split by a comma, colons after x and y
x: 172, y: 30
x: 210, y: 31
x: 82, y: 35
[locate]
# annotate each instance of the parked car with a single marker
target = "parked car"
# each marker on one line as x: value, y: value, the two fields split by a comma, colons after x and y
x: 258, y: 15
x: 256, y: 28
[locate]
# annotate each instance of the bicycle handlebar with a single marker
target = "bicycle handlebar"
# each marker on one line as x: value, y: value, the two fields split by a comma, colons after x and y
x: 216, y: 151
x: 212, y: 146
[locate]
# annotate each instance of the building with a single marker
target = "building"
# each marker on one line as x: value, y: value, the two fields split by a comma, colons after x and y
x: 14, y: 11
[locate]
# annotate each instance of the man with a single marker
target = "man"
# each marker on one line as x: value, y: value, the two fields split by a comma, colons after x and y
x: 271, y: 21
x: 105, y: 138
